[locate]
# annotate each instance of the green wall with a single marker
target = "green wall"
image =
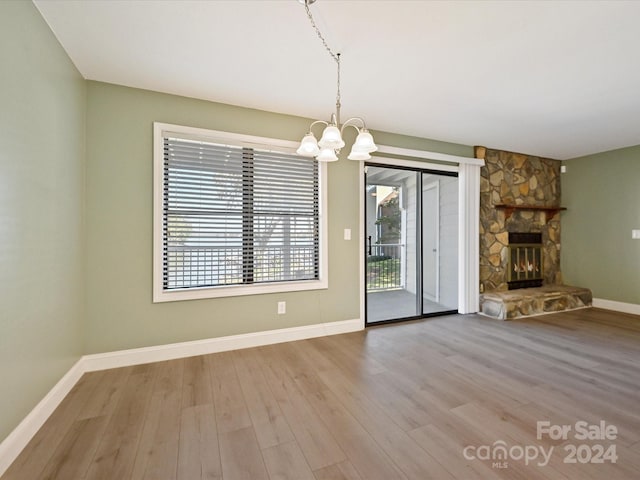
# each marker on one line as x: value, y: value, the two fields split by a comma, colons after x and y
x: 43, y: 103
x: 120, y: 313
x: 602, y: 196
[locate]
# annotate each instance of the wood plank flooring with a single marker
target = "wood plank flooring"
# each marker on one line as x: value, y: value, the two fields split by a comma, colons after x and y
x: 400, y: 401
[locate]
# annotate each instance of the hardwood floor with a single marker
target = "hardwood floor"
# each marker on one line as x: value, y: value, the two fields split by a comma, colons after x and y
x: 403, y: 401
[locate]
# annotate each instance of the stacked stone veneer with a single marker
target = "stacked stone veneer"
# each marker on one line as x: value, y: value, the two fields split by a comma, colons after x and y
x: 517, y: 179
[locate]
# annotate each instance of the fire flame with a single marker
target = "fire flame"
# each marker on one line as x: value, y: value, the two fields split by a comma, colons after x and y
x: 526, y: 267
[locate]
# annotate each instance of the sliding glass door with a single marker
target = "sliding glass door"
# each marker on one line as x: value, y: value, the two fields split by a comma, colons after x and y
x: 411, y: 243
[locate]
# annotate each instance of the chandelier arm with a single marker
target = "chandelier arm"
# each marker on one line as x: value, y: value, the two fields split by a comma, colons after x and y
x: 317, y: 121
x: 349, y: 123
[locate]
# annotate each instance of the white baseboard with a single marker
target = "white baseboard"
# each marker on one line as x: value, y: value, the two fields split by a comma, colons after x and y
x: 631, y: 308
x: 137, y: 356
x: 11, y: 446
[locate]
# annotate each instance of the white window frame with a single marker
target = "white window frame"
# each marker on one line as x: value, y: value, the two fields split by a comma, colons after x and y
x: 160, y: 130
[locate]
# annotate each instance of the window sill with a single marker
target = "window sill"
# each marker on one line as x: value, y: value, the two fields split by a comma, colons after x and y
x: 161, y: 296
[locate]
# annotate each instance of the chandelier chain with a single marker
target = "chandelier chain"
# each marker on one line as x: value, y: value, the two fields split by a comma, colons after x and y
x: 315, y: 27
x: 335, y: 56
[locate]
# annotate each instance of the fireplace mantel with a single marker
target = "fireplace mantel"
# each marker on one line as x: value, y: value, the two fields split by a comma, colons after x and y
x: 509, y: 209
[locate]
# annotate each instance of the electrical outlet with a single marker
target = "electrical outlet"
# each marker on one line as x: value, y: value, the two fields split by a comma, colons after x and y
x: 635, y: 234
x: 282, y: 308
x: 347, y: 234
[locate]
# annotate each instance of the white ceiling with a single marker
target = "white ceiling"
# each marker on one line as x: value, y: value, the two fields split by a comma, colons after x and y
x: 559, y: 79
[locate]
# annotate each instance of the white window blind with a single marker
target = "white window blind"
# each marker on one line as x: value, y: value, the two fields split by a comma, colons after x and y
x: 236, y: 216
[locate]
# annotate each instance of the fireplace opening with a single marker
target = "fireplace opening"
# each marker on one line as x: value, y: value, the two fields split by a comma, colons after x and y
x: 525, y: 260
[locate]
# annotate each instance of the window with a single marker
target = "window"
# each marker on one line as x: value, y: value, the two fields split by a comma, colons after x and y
x: 234, y: 215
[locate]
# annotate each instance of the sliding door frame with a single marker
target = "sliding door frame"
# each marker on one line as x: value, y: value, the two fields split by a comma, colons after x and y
x: 419, y: 169
x: 468, y: 170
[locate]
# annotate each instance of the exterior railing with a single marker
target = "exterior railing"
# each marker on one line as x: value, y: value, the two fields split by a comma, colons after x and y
x: 384, y: 267
x: 195, y: 266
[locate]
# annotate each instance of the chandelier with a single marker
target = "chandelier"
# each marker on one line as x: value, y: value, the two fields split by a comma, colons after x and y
x: 328, y: 148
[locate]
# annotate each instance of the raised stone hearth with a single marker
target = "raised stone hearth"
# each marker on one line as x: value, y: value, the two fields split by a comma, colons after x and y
x: 525, y: 302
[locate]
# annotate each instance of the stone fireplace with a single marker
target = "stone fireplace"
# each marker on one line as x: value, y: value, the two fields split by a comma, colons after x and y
x: 519, y: 194
x: 520, y: 237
